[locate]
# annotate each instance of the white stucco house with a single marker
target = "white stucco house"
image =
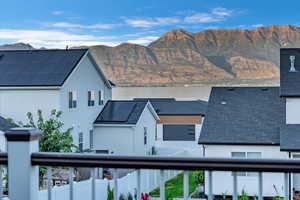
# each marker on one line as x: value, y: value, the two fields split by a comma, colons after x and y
x: 125, y: 128
x: 256, y: 122
x: 179, y: 125
x: 66, y: 80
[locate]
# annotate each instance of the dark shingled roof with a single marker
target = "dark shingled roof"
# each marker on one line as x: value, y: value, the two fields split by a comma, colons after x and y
x: 243, y: 115
x: 37, y: 67
x: 4, y: 124
x: 112, y: 110
x: 169, y: 106
x: 289, y: 81
x: 290, y: 137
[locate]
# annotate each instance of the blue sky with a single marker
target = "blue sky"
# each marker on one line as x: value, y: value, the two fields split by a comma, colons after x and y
x: 55, y: 24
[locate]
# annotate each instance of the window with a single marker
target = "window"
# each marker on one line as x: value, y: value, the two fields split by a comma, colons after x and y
x: 145, y: 135
x: 101, y: 97
x: 80, y: 142
x: 91, y: 139
x: 102, y: 151
x: 72, y: 99
x: 91, y: 98
x: 246, y: 155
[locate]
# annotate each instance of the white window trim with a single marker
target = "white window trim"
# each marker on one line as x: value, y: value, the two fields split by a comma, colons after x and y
x: 246, y: 174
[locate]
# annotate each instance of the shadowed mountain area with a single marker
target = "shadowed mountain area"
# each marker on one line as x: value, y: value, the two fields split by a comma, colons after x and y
x: 223, y: 56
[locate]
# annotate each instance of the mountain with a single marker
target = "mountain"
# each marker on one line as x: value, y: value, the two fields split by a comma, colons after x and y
x: 236, y: 56
x: 223, y: 56
x: 16, y: 46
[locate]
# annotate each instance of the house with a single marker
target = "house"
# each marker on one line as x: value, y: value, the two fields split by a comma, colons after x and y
x: 125, y: 128
x: 180, y: 122
x: 67, y: 80
x: 256, y: 122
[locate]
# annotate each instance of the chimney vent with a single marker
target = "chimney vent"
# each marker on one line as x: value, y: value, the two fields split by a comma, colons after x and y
x: 292, y: 59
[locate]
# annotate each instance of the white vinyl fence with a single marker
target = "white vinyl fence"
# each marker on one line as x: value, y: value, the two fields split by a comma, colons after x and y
x: 150, y: 180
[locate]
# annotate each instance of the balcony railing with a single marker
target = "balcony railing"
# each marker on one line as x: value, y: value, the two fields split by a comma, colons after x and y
x: 23, y: 160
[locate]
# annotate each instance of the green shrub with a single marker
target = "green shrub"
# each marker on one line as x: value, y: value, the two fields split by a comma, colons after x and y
x: 110, y: 193
x: 129, y: 196
x: 198, y: 177
x: 243, y: 196
x: 122, y: 197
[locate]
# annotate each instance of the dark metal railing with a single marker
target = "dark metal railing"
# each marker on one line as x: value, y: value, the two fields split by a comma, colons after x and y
x: 158, y: 162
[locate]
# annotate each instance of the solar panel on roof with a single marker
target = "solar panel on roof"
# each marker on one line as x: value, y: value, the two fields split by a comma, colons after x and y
x: 117, y: 112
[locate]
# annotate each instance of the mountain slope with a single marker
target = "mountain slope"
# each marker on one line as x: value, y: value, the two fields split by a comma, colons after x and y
x: 236, y: 56
x: 207, y: 57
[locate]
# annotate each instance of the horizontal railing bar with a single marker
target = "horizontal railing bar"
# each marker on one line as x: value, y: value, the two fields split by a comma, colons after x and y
x: 3, y: 158
x: 158, y: 162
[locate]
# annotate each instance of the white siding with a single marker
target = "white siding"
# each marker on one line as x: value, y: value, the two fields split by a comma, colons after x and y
x: 222, y: 181
x: 192, y: 147
x: 115, y: 139
x: 83, y: 79
x: 292, y: 110
x: 16, y: 103
x: 146, y: 120
x: 127, y: 140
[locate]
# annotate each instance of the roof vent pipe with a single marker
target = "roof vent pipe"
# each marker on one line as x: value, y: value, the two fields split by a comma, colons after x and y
x: 292, y: 59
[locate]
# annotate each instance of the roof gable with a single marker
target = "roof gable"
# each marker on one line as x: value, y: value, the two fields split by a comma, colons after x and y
x: 34, y: 68
x: 289, y: 81
x: 243, y: 115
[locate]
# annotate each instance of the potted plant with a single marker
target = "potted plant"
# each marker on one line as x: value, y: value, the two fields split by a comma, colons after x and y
x: 110, y: 193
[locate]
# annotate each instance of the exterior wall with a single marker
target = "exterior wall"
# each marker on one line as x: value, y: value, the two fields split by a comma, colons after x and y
x: 292, y: 110
x: 118, y: 140
x: 83, y: 79
x: 192, y: 147
x: 146, y: 120
x: 223, y: 181
x: 179, y: 119
x: 15, y: 103
x: 127, y: 140
x: 2, y: 142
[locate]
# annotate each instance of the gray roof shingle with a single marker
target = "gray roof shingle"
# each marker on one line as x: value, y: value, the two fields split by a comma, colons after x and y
x: 112, y: 109
x: 289, y: 81
x: 290, y: 137
x: 169, y: 106
x: 37, y: 67
x: 243, y: 115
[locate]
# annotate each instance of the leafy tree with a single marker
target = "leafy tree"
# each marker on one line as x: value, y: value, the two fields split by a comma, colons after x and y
x: 53, y: 138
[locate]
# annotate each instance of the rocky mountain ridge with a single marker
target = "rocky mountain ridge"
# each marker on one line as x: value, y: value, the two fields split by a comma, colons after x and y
x: 224, y: 56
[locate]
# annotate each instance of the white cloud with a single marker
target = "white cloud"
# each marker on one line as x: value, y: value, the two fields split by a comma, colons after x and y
x: 57, y: 12
x: 143, y: 40
x: 70, y: 25
x: 54, y: 39
x: 150, y: 22
x: 257, y: 25
x: 215, y: 15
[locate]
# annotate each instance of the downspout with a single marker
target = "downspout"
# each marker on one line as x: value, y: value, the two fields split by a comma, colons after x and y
x: 290, y: 181
x: 203, y: 154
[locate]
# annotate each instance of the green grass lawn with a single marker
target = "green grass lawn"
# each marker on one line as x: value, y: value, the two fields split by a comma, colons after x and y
x: 174, y: 187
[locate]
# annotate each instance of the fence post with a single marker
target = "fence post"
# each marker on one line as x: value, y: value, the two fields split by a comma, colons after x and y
x: 23, y: 181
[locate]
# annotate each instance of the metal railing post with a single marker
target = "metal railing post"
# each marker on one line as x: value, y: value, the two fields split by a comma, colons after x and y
x: 185, y: 185
x: 210, y: 186
x: 235, y: 186
x: 115, y: 178
x: 23, y: 182
x: 138, y: 182
x: 162, y: 185
x: 260, y: 186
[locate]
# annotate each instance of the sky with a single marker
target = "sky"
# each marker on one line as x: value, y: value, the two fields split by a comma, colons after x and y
x: 56, y: 24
